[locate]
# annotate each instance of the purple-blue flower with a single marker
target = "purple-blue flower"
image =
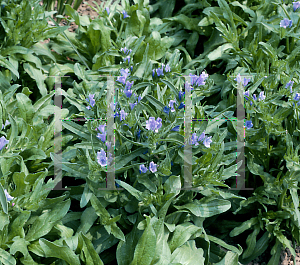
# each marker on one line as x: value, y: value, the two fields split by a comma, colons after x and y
x: 246, y: 94
x: 207, y: 141
x: 125, y: 15
x: 168, y: 69
x: 166, y: 110
x: 126, y: 51
x: 8, y: 197
x: 153, y: 125
x: 143, y: 169
x: 127, y: 58
x: 128, y: 92
x: 201, y: 137
x: 159, y: 72
x: 3, y: 142
x: 181, y: 106
x: 201, y: 79
x: 286, y: 23
x: 239, y: 80
x: 107, y: 10
x: 261, y: 96
x: 176, y: 129
x: 6, y: 123
x: 123, y: 115
x: 194, y: 140
x: 171, y: 103
x: 132, y: 105
x: 91, y: 100
x: 125, y: 73
x: 297, y: 96
x: 152, y: 167
x: 101, y: 157
x: 128, y: 85
x: 102, y: 137
x: 296, y: 5
x: 180, y: 95
x: 138, y: 134
x: 188, y: 86
x: 108, y: 144
x: 140, y: 98
x: 193, y: 79
x: 153, y: 72
x: 249, y: 124
x: 290, y: 84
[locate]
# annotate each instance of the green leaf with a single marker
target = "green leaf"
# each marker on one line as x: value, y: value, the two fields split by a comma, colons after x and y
x: 134, y: 192
x: 218, y: 53
x: 145, y: 249
x: 206, y: 207
x: 69, y: 11
x: 36, y: 75
x: 136, y: 24
x: 25, y: 108
x: 52, y: 250
x: 244, y: 226
x: 3, y: 200
x: 91, y: 256
x: 87, y: 219
x: 45, y: 222
x: 6, y: 258
x: 5, y: 63
x: 188, y: 254
x: 182, y: 234
x: 100, y: 210
x: 251, y: 242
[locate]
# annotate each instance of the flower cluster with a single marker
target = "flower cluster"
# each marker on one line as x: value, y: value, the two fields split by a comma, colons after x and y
x: 152, y: 168
x: 260, y: 97
x: 160, y: 71
x: 198, y: 80
x: 202, y: 138
x: 91, y: 101
x: 297, y: 97
x: 286, y: 23
x: 153, y: 125
x: 126, y: 52
x: 101, y: 136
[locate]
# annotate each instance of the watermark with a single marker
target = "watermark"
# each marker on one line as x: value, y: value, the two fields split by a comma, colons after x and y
x: 188, y: 175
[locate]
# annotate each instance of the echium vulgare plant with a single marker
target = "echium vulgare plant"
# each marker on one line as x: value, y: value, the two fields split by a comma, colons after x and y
x: 149, y: 148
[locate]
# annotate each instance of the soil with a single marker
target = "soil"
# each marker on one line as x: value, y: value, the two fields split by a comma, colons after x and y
x: 84, y: 9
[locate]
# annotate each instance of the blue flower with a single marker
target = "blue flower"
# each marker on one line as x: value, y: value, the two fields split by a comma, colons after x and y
x: 239, y: 80
x: 127, y: 58
x: 166, y: 110
x: 107, y: 10
x: 108, y: 144
x: 125, y: 15
x: 159, y: 72
x: 132, y: 105
x: 194, y: 140
x: 102, y: 137
x: 201, y: 137
x: 143, y: 169
x: 207, y: 141
x: 123, y: 115
x: 153, y: 72
x: 249, y: 124
x: 168, y: 69
x: 91, y: 100
x: 181, y: 106
x: 246, y: 94
x: 297, y: 96
x: 201, y: 79
x: 176, y: 128
x: 193, y: 79
x: 153, y: 125
x: 290, y: 84
x: 138, y: 134
x: 152, y: 167
x: 8, y: 197
x: 101, y: 157
x: 126, y: 51
x: 286, y: 23
x: 171, y: 103
x: 3, y: 142
x: 261, y: 96
x: 296, y: 5
x: 6, y: 123
x: 180, y: 95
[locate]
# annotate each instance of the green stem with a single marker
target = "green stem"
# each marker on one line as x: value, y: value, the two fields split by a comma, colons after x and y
x: 120, y: 31
x: 281, y: 199
x: 268, y: 150
x: 287, y: 44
